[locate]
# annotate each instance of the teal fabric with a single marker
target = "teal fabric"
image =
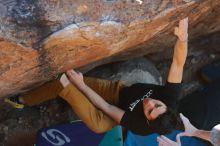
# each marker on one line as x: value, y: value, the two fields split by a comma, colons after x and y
x: 151, y: 140
x: 113, y: 137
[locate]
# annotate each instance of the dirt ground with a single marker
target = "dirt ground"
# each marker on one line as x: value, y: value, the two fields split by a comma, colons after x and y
x: 30, y: 119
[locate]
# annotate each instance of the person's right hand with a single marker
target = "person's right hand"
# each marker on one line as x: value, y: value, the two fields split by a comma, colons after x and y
x: 182, y: 30
x: 190, y: 130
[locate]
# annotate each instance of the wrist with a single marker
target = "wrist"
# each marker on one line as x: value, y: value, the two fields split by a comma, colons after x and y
x: 81, y: 86
x: 197, y: 133
x: 183, y: 37
x: 183, y: 40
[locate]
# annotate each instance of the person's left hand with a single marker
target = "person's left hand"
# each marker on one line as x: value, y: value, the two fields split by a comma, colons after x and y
x: 164, y: 141
x: 76, y: 78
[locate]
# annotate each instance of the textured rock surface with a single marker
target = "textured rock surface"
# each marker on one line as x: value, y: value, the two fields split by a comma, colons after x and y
x: 137, y: 70
x: 39, y: 39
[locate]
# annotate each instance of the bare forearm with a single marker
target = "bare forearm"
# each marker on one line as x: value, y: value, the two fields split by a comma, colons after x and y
x: 180, y: 52
x: 203, y: 134
x: 111, y: 110
x: 179, y: 58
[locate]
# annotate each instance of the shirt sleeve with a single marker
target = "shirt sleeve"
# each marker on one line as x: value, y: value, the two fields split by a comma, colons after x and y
x: 170, y: 93
x: 125, y: 120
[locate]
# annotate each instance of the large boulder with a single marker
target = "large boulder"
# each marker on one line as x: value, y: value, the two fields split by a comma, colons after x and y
x: 137, y: 70
x: 42, y: 38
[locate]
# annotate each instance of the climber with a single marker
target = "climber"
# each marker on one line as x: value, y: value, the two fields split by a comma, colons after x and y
x: 102, y: 104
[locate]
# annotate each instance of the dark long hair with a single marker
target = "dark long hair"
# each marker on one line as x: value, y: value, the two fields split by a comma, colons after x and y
x: 167, y: 122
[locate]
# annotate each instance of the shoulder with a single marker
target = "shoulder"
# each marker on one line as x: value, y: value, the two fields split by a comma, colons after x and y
x: 141, y: 85
x: 136, y: 123
x: 138, y: 89
x: 173, y: 87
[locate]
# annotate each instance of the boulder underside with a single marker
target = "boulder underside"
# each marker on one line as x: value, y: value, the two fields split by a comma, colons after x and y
x: 40, y: 39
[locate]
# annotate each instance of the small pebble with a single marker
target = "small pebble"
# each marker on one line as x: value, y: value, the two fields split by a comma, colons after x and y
x: 20, y: 120
x: 5, y: 129
x: 212, y: 56
x: 194, y: 61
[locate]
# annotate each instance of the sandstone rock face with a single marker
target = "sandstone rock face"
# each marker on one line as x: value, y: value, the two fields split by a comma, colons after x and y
x: 41, y: 38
